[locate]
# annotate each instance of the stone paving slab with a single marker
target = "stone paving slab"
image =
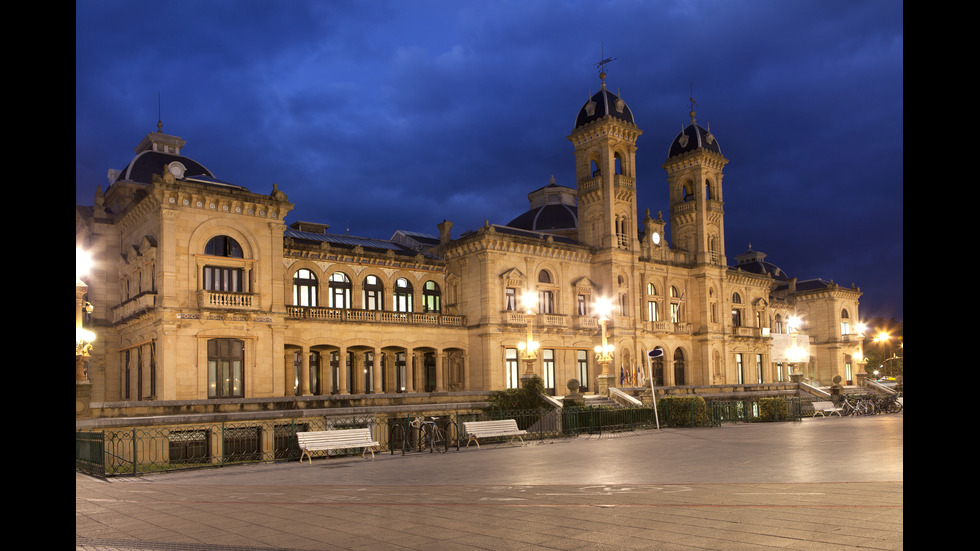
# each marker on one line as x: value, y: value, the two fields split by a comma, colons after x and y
x: 833, y: 483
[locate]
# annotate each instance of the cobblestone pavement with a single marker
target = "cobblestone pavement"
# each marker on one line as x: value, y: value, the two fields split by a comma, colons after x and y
x: 823, y: 483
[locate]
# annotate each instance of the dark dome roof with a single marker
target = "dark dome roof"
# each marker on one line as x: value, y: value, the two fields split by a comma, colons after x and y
x: 142, y: 168
x: 755, y: 262
x: 691, y: 138
x: 547, y: 218
x: 604, y: 103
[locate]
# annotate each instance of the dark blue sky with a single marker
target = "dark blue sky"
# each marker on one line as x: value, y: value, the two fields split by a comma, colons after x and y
x: 380, y: 116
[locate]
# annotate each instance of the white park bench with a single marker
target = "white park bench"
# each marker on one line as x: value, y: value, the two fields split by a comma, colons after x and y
x: 341, y: 439
x: 826, y: 408
x: 490, y: 429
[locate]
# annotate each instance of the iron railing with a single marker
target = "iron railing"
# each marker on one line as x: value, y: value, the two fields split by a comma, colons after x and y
x: 148, y: 449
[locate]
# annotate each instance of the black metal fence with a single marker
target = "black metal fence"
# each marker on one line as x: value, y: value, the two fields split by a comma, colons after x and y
x: 142, y: 450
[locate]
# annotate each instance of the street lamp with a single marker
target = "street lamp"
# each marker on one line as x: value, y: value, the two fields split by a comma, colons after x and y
x: 529, y: 348
x: 795, y: 353
x: 83, y: 337
x: 604, y: 351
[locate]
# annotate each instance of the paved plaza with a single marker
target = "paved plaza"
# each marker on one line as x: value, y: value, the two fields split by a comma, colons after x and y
x: 823, y: 483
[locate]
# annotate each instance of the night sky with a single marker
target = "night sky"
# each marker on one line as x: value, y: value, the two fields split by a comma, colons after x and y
x: 378, y: 116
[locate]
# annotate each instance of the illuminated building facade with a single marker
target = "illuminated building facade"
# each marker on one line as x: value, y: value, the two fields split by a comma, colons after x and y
x: 202, y: 291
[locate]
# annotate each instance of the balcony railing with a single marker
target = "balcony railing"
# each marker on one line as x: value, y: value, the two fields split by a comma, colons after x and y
x: 233, y: 301
x: 133, y: 306
x: 319, y: 313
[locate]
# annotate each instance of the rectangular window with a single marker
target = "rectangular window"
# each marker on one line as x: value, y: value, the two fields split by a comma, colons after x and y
x: 739, y: 376
x: 583, y: 305
x: 189, y: 446
x: 512, y: 368
x: 548, y: 358
x: 652, y: 313
x: 779, y: 372
x: 736, y: 317
x: 226, y: 280
x: 675, y: 312
x: 226, y: 373
x: 546, y: 302
x: 758, y: 368
x: 510, y: 299
x: 583, y: 370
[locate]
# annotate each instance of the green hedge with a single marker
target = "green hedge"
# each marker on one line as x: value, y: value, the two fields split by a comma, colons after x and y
x: 773, y: 409
x: 684, y: 411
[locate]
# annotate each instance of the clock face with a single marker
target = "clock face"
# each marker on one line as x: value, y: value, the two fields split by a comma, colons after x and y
x: 656, y: 238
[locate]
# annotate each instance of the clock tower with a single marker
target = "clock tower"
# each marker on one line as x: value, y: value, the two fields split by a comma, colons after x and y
x: 604, y: 140
x: 697, y: 217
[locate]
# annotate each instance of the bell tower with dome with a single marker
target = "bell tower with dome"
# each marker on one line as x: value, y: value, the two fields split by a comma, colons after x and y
x: 604, y: 140
x: 694, y: 172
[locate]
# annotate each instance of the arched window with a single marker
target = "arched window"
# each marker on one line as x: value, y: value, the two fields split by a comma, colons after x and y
x: 431, y: 297
x: 340, y: 289
x: 544, y: 277
x: 658, y: 368
x: 222, y: 245
x: 845, y: 323
x: 373, y: 293
x: 304, y: 288
x: 679, y: 367
x: 221, y: 278
x: 736, y: 311
x: 403, y: 295
x: 778, y: 324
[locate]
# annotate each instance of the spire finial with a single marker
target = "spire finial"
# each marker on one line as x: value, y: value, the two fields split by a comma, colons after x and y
x: 691, y: 98
x: 159, y: 114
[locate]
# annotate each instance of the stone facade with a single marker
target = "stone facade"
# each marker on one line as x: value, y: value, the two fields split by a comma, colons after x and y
x: 202, y: 291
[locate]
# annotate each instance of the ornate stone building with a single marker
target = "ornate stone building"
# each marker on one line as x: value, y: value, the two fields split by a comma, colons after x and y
x: 201, y: 291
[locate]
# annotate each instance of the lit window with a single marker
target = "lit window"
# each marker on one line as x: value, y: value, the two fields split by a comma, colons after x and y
x: 373, y: 293
x: 304, y: 288
x: 340, y: 289
x: 431, y: 297
x: 403, y: 295
x: 226, y: 368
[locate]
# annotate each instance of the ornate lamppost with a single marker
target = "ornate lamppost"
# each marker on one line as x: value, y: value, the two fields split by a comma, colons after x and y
x: 795, y: 354
x: 604, y: 351
x: 83, y: 337
x: 529, y: 348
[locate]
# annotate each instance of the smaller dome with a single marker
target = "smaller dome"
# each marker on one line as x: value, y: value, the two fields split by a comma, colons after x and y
x: 553, y: 209
x: 755, y: 262
x: 604, y: 104
x: 692, y: 138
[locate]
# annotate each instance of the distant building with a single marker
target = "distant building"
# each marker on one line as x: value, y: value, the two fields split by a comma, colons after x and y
x: 203, y: 292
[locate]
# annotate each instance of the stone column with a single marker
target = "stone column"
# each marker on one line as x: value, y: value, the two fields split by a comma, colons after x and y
x: 376, y: 370
x: 304, y: 371
x: 440, y: 368
x: 342, y: 371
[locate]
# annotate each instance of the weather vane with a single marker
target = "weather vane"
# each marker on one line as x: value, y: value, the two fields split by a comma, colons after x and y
x: 602, y: 64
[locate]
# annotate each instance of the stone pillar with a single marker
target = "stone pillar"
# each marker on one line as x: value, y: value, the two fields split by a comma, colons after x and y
x: 304, y: 371
x: 342, y: 371
x: 376, y: 369
x: 409, y: 370
x: 440, y: 368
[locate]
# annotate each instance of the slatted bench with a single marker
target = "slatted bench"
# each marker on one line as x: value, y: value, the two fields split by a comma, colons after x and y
x: 826, y: 408
x: 489, y: 429
x: 340, y: 439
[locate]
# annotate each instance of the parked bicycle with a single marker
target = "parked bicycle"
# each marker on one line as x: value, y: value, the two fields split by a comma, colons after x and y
x: 888, y: 404
x: 431, y: 435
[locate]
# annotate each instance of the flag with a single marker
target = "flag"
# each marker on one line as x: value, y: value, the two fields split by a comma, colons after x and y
x: 622, y: 376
